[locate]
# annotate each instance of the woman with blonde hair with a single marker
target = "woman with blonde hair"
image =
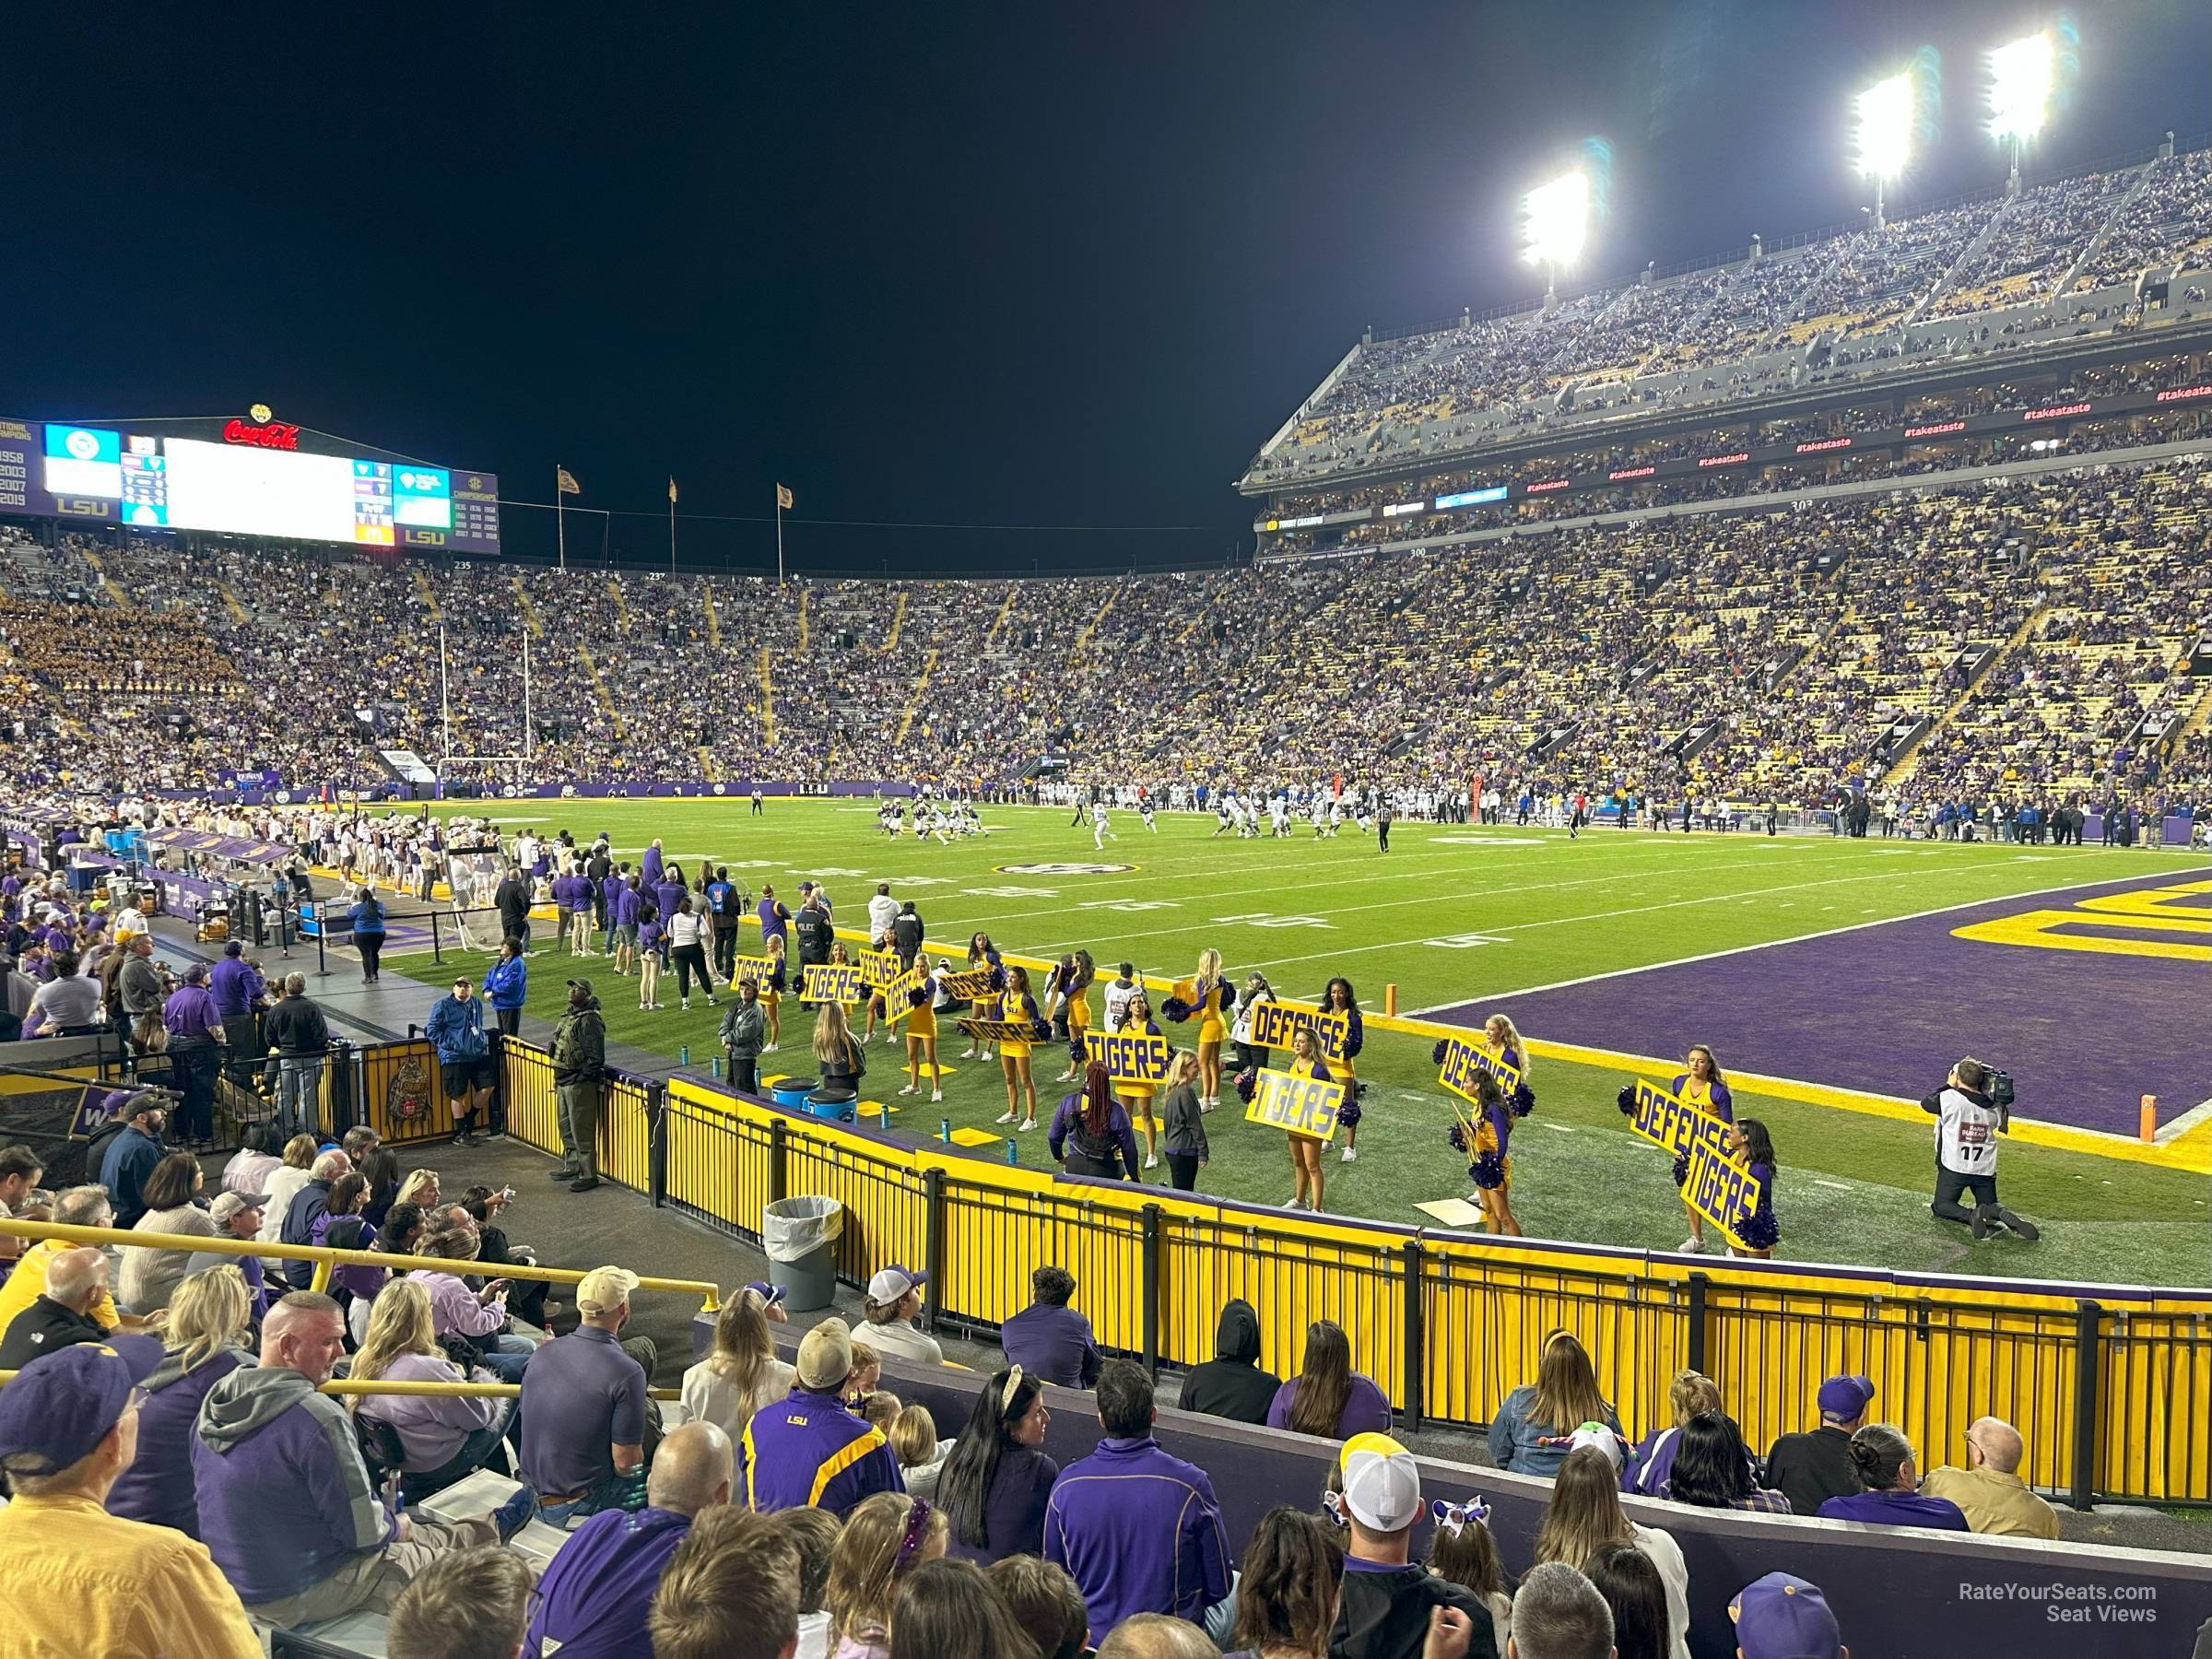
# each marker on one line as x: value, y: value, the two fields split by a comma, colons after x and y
x: 1210, y: 995
x: 836, y: 1054
x: 1689, y: 1392
x: 742, y: 1373
x: 1585, y: 1516
x: 445, y: 1436
x: 1183, y: 1122
x: 284, y: 1185
x: 205, y: 1334
x: 885, y: 1537
x: 1529, y: 1434
x: 420, y: 1189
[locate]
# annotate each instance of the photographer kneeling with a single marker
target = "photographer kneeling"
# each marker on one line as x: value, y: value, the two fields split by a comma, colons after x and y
x: 1968, y: 1122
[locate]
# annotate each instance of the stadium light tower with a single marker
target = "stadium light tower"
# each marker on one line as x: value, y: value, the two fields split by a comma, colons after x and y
x: 1555, y: 224
x: 2022, y: 75
x: 1885, y: 133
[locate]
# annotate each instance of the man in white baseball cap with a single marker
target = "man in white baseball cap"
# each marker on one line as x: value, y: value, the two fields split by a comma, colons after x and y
x: 894, y: 1298
x: 1391, y: 1602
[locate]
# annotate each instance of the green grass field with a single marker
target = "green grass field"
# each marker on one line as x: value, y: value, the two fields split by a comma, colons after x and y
x: 1450, y: 914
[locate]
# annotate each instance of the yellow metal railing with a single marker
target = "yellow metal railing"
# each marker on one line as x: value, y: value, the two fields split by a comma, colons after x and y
x: 325, y: 1258
x: 450, y: 1391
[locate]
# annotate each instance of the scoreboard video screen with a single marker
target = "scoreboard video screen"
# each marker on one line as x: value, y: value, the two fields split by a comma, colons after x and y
x: 252, y: 482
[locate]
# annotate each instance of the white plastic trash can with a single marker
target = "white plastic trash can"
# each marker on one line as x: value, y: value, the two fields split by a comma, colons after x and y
x: 800, y: 1236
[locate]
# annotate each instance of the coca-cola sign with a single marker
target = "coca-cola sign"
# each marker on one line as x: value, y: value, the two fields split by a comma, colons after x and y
x: 275, y: 435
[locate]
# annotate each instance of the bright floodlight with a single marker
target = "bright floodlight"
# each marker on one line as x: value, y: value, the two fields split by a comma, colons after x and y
x: 2021, y: 78
x: 1884, y: 136
x: 1558, y: 220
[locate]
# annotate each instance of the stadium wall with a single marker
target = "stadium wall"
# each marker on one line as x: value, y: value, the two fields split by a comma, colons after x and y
x: 2111, y: 1385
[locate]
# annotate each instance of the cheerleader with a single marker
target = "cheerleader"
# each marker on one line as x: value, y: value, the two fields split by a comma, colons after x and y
x: 1016, y: 1006
x: 1250, y: 1057
x: 1490, y: 1162
x: 1137, y: 1016
x: 982, y: 955
x: 1701, y: 1086
x: 1210, y: 995
x: 1502, y: 1040
x: 772, y: 992
x: 1338, y: 999
x: 1752, y: 1150
x: 1305, y: 1150
x: 1069, y: 993
x: 921, y: 1032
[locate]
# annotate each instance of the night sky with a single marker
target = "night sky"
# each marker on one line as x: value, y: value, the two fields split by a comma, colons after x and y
x: 1048, y: 264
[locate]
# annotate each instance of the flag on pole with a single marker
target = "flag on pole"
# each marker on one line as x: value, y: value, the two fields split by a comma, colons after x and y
x: 784, y: 498
x: 671, y: 492
x: 567, y: 481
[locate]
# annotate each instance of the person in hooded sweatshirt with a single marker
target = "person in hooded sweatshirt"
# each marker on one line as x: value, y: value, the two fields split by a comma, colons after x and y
x: 1231, y: 1384
x: 287, y: 1507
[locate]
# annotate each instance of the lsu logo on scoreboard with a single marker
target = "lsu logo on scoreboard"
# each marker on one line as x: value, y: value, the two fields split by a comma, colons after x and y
x: 1130, y: 1056
x: 1295, y: 1105
x: 1465, y: 1060
x: 830, y: 981
x: 1274, y: 1023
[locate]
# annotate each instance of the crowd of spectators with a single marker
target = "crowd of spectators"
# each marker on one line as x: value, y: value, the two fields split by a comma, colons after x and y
x: 1740, y: 330
x: 1794, y: 639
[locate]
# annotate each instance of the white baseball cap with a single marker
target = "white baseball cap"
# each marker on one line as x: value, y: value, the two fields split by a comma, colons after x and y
x: 892, y: 1284
x: 1382, y: 1483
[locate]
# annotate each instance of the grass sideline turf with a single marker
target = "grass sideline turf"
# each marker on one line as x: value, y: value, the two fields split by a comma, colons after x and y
x: 1451, y: 914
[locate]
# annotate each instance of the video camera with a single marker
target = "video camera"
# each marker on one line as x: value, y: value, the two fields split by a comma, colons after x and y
x: 2000, y: 1096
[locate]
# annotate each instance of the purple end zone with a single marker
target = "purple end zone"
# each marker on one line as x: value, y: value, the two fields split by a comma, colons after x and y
x: 1887, y: 1008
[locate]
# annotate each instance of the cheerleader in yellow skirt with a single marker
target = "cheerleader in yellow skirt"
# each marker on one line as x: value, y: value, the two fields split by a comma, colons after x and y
x: 1136, y: 1096
x: 1016, y: 1006
x: 921, y: 1032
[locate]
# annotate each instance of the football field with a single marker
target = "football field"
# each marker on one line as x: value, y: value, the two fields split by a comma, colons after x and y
x: 1836, y: 979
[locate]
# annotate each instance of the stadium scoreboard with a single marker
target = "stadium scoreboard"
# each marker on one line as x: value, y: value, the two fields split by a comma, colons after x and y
x: 244, y: 478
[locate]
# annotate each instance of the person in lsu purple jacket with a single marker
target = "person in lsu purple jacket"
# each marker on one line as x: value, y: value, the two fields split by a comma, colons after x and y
x: 1136, y: 1528
x: 1883, y: 1457
x: 1048, y: 1338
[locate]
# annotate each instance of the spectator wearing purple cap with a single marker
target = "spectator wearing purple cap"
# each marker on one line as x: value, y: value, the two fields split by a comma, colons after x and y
x: 1883, y: 1457
x: 68, y: 1428
x: 1779, y: 1616
x: 894, y: 1299
x: 1810, y: 1468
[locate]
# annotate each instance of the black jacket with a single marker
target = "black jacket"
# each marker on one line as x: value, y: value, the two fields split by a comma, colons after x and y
x: 817, y: 933
x: 848, y: 1074
x: 906, y: 933
x: 296, y: 1027
x: 41, y: 1328
x: 1385, y: 1614
x: 1231, y: 1384
x: 512, y: 897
